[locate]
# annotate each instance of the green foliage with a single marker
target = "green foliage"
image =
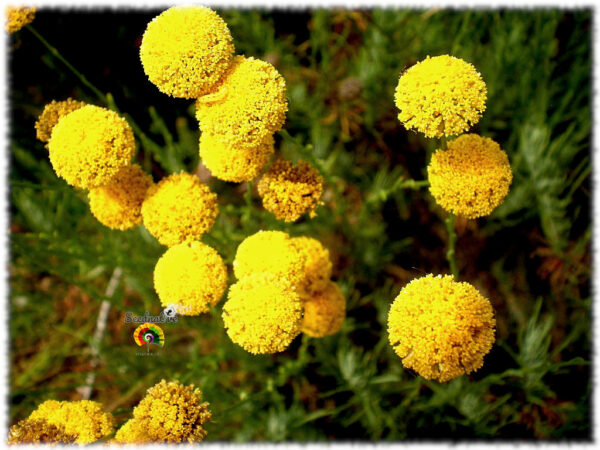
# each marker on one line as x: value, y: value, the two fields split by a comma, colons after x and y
x: 530, y: 258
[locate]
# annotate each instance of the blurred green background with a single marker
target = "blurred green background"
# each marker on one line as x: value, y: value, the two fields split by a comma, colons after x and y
x: 531, y: 258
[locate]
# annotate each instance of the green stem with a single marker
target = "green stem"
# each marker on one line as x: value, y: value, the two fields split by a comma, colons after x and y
x: 76, y: 72
x: 451, y: 254
x: 413, y: 184
x: 444, y: 142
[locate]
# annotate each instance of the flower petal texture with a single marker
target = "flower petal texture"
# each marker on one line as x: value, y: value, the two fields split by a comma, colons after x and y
x: 192, y: 276
x: 38, y: 431
x: 84, y: 419
x: 249, y: 105
x: 290, y: 191
x: 90, y: 145
x: 269, y: 251
x: 186, y: 50
x: 118, y: 205
x: 179, y: 208
x: 171, y: 412
x: 235, y: 164
x: 133, y: 432
x: 51, y: 114
x: 317, y: 265
x: 471, y: 178
x: 263, y: 313
x: 440, y: 96
x: 441, y: 328
x: 324, y: 311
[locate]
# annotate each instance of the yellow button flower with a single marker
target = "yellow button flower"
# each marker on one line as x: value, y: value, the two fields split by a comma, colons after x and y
x: 324, y: 311
x: 18, y: 17
x: 317, y: 265
x: 263, y: 313
x: 84, y: 419
x: 235, y: 164
x: 38, y: 431
x: 179, y: 208
x: 89, y: 146
x: 118, y: 205
x: 289, y: 191
x: 186, y: 50
x: 440, y: 96
x: 471, y: 178
x: 170, y: 412
x: 269, y: 251
x: 192, y: 276
x: 249, y: 105
x: 441, y: 328
x: 51, y: 114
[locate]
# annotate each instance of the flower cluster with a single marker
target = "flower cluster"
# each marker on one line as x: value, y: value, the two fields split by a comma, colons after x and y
x: 18, y: 17
x: 51, y: 114
x: 82, y: 422
x: 169, y: 413
x: 289, y: 191
x: 440, y: 96
x: 284, y: 288
x: 190, y: 275
x: 179, y: 208
x: 441, y: 328
x: 471, y: 178
x: 89, y: 146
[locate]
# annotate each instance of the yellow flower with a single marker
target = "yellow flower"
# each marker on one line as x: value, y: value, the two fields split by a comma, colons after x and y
x: 18, y: 17
x: 235, y: 164
x: 133, y: 432
x: 317, y: 266
x: 269, y: 251
x: 118, y: 205
x: 440, y: 96
x: 248, y: 106
x: 441, y: 328
x: 179, y: 208
x: 186, y: 50
x: 38, y: 431
x: 288, y: 191
x: 84, y: 419
x: 471, y: 178
x: 89, y: 146
x: 192, y: 276
x: 170, y: 412
x: 263, y: 313
x: 51, y: 114
x: 324, y: 311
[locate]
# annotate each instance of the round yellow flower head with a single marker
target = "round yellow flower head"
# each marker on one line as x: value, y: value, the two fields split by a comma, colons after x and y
x: 51, y: 114
x: 471, y: 178
x: 249, y: 105
x: 186, y: 50
x: 18, y: 17
x: 235, y: 164
x: 179, y: 208
x: 288, y: 191
x: 191, y: 276
x: 269, y: 251
x: 90, y: 145
x: 324, y: 311
x: 263, y: 313
x: 38, y: 431
x: 317, y: 266
x: 440, y: 96
x: 84, y: 419
x: 133, y: 432
x: 118, y: 205
x: 171, y: 412
x: 441, y: 328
